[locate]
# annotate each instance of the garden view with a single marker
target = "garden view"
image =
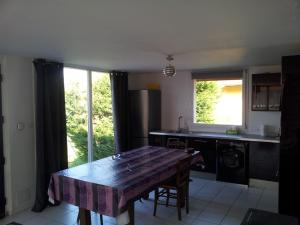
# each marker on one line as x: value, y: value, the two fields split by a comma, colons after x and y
x: 77, y: 115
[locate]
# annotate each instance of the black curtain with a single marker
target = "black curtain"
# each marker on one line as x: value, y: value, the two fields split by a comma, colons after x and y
x: 51, y: 138
x: 119, y: 87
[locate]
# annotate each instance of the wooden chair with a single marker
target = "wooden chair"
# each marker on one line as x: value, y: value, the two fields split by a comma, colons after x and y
x: 176, y: 143
x: 180, y: 185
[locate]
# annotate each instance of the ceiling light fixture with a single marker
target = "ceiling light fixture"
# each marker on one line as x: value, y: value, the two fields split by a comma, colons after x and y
x: 169, y: 70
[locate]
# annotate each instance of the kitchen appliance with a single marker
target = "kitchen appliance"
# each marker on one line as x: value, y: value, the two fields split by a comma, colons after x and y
x: 144, y: 115
x: 232, y: 161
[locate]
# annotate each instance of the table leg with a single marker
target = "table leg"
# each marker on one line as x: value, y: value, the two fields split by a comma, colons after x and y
x: 85, y: 216
x: 131, y: 213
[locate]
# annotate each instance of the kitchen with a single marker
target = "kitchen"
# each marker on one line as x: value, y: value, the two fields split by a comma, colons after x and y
x: 252, y: 153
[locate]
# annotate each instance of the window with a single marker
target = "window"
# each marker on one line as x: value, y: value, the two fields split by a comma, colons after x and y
x: 89, y: 115
x: 218, y: 100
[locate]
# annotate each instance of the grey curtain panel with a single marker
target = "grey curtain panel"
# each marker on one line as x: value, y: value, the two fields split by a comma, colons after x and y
x: 51, y: 137
x: 119, y: 87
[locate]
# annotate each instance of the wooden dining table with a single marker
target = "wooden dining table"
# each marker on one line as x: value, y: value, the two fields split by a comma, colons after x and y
x: 110, y: 186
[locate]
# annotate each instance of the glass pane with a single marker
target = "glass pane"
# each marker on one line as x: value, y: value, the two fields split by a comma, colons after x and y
x: 219, y: 102
x: 260, y: 98
x: 76, y: 113
x: 103, y: 145
x: 274, y: 97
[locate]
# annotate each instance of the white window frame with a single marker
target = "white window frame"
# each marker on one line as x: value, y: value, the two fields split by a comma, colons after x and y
x: 245, y: 96
x: 89, y: 106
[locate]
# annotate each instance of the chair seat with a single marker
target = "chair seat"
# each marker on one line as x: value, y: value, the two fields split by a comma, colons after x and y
x: 180, y: 184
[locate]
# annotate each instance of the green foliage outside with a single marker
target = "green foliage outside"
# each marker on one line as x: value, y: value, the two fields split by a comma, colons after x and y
x: 206, y: 96
x: 77, y: 124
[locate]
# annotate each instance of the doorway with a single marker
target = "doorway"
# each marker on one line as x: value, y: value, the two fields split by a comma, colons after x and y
x: 2, y: 159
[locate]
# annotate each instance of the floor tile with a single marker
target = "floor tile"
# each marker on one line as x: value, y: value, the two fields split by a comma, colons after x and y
x: 37, y: 220
x: 230, y: 220
x: 201, y: 222
x: 19, y: 218
x: 211, y: 203
x: 214, y: 213
x: 269, y: 201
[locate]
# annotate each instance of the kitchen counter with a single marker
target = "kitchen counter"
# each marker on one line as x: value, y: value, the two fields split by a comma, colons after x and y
x: 219, y: 136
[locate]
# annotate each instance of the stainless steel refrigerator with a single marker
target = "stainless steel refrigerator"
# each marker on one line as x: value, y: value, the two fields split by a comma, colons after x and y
x: 144, y: 115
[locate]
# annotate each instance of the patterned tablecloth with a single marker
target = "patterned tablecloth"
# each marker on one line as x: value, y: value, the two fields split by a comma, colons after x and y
x: 107, y: 185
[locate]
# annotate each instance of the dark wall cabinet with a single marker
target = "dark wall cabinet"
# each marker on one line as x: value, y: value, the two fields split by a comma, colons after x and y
x: 266, y: 92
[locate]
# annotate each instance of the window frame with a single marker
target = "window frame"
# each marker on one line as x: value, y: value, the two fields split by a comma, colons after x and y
x: 90, y: 137
x: 245, y: 88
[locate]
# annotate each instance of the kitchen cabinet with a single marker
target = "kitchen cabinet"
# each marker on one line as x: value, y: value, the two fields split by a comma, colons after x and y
x: 264, y: 161
x: 266, y: 92
x: 289, y: 177
x: 157, y: 140
x: 207, y: 148
x: 261, y: 155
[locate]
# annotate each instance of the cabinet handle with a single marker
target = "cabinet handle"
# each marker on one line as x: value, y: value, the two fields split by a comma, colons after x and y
x: 277, y: 173
x: 201, y: 141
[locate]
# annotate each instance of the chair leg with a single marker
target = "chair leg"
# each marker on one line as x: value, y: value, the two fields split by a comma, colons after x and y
x: 187, y: 207
x: 101, y: 219
x: 168, y: 197
x: 155, y: 201
x: 78, y: 217
x: 178, y: 203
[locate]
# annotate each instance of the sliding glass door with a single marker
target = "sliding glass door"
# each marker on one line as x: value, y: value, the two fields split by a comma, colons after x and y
x: 103, y: 138
x: 89, y: 115
x: 75, y: 81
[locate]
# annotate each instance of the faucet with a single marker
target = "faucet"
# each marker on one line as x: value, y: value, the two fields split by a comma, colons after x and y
x: 179, y: 119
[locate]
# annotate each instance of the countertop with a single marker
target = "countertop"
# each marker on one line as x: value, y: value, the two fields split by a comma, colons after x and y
x: 219, y: 136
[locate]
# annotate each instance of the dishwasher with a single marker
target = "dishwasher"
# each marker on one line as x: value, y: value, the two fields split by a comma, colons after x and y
x: 233, y: 161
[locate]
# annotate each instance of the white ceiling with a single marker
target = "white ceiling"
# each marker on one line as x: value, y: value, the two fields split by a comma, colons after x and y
x: 135, y: 35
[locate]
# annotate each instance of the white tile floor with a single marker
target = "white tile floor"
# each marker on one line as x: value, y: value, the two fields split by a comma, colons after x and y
x: 211, y: 203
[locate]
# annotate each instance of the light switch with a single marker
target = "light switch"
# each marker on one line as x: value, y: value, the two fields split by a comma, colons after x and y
x: 20, y: 126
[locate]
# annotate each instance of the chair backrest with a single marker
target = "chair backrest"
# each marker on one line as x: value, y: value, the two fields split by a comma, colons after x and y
x: 183, y: 171
x: 176, y: 143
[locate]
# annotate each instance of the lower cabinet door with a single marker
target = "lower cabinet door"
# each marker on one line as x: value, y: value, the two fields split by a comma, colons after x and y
x: 264, y: 161
x: 208, y: 151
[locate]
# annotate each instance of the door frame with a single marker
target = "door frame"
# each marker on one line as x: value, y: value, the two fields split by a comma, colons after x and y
x: 2, y: 159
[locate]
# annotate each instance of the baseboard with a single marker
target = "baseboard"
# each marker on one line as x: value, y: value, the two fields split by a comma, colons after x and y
x: 207, y: 176
x: 272, y: 185
x: 263, y: 184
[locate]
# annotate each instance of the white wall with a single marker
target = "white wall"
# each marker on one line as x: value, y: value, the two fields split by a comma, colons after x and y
x: 177, y: 99
x: 19, y: 147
